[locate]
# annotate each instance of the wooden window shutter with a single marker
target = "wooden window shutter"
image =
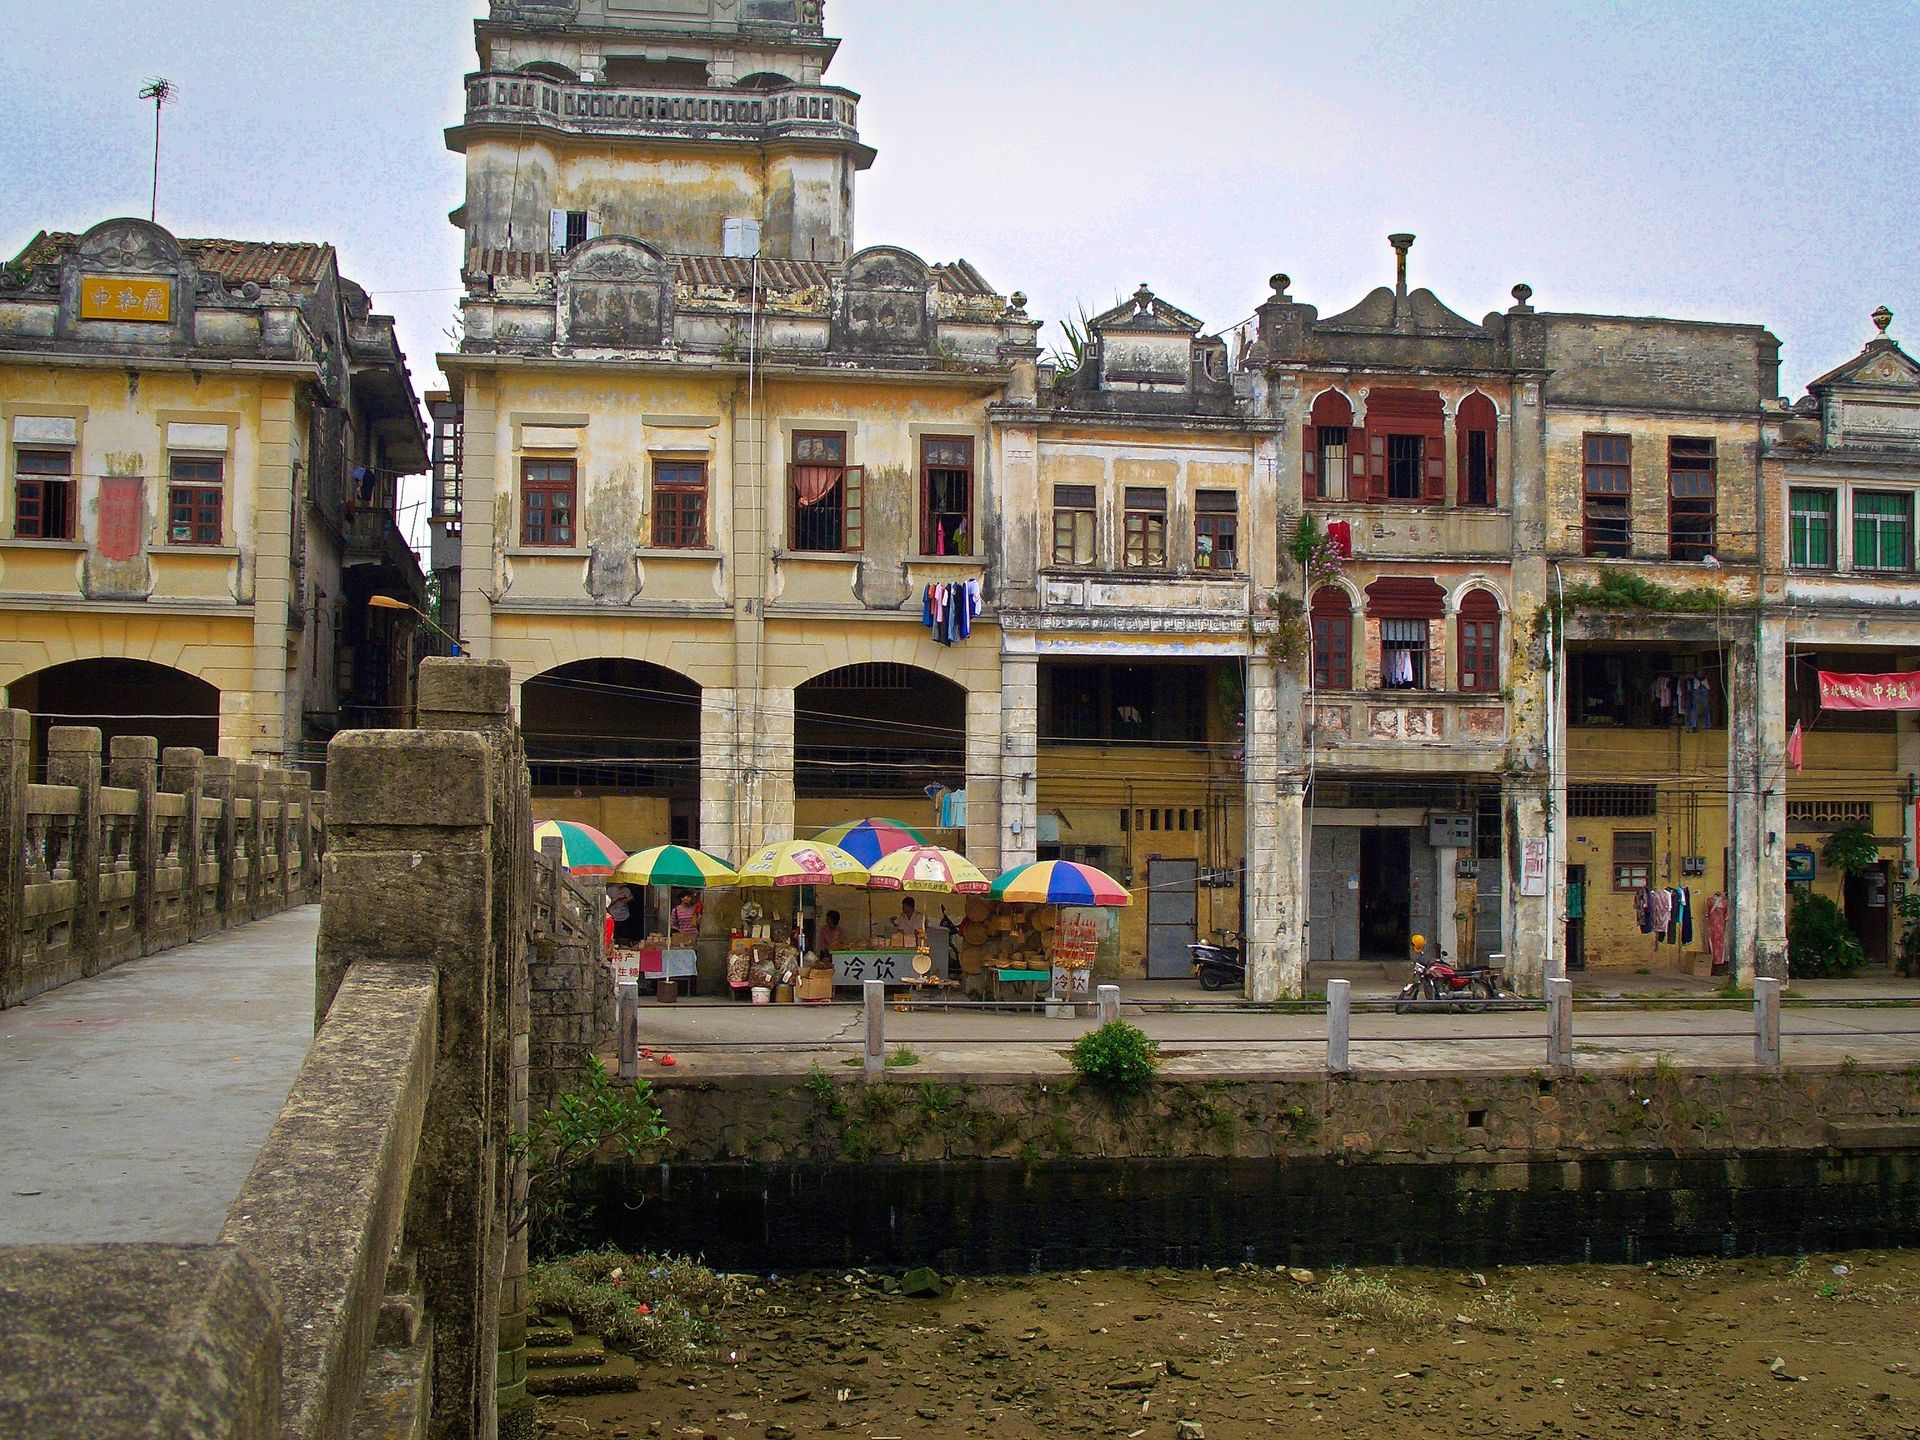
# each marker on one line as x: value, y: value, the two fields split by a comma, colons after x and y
x: 1377, y: 466
x: 854, y: 528
x: 1309, y: 462
x: 1433, y: 453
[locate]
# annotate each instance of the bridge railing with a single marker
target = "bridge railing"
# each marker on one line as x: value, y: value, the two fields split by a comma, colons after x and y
x: 159, y: 848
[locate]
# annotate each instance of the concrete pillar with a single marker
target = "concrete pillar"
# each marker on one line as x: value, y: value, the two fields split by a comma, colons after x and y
x: 1277, y: 915
x: 1757, y: 803
x: 216, y: 789
x: 304, y: 872
x: 1019, y: 759
x: 409, y: 880
x: 769, y: 811
x: 1339, y: 1026
x: 248, y: 842
x: 481, y: 495
x: 16, y: 761
x: 180, y: 774
x: 135, y: 766
x: 281, y: 842
x: 719, y: 774
x: 1529, y: 938
x: 273, y: 519
x: 983, y: 780
x: 73, y: 758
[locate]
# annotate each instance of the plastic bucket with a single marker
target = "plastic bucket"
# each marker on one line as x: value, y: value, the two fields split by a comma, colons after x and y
x: 783, y: 994
x: 762, y: 995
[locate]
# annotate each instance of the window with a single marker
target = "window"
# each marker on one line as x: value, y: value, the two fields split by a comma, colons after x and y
x: 679, y: 504
x: 1632, y: 859
x: 1619, y: 802
x: 1073, y: 524
x: 1607, y: 517
x: 194, y: 492
x: 828, y: 494
x: 1403, y: 467
x: 1403, y: 654
x: 1882, y: 530
x: 547, y: 496
x: 1476, y: 423
x: 43, y: 507
x: 1216, y: 530
x: 1811, y: 529
x: 1146, y: 528
x: 1332, y: 640
x: 946, y: 495
x: 571, y: 228
x: 1479, y: 624
x: 1690, y: 486
x: 1327, y: 454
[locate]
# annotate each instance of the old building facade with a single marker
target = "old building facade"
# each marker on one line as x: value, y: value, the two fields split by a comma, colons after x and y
x: 204, y: 440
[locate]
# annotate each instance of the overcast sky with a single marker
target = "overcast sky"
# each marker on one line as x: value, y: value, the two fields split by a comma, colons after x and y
x: 1707, y: 160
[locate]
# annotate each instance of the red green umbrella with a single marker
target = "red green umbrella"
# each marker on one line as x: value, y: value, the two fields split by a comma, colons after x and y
x: 583, y: 849
x: 868, y: 840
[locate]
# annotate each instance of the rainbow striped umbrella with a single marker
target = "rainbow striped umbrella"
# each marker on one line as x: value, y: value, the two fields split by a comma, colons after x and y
x: 678, y: 865
x: 583, y: 849
x: 1060, y: 882
x: 868, y: 840
x: 801, y: 862
x: 928, y: 867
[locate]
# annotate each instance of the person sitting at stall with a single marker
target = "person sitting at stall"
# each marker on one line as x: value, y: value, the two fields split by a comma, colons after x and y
x: 912, y: 923
x: 830, y: 937
x: 686, y: 914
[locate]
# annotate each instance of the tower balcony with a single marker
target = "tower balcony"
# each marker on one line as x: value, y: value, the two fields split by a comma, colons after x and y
x: 820, y: 113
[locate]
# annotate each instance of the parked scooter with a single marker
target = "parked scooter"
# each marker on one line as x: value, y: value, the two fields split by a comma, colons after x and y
x: 1435, y: 982
x: 1219, y: 964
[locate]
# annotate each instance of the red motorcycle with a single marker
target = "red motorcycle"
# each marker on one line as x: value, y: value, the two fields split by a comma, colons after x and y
x: 1435, y: 982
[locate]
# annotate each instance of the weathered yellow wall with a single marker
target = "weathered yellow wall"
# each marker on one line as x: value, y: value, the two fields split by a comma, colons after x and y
x: 1736, y: 456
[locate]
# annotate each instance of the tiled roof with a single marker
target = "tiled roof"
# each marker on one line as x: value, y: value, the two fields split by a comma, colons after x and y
x: 234, y: 261
x: 724, y: 272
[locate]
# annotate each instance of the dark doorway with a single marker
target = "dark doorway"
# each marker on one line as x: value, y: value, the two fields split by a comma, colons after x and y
x: 120, y: 697
x: 1576, y: 917
x: 1385, y: 893
x: 1866, y: 902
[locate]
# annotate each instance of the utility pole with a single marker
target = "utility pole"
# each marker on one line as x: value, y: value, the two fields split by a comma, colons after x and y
x: 162, y: 92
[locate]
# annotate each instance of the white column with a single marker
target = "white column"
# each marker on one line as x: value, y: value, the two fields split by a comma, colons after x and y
x: 719, y: 775
x: 983, y: 780
x: 1019, y: 759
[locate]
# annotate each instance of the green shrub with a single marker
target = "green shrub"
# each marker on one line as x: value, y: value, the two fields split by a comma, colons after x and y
x: 653, y: 1307
x: 1851, y: 850
x: 1819, y: 940
x: 1120, y: 1058
x: 604, y: 1119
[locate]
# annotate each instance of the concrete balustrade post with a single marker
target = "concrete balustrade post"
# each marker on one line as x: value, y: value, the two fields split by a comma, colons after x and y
x: 135, y: 766
x: 16, y: 759
x: 1339, y: 1026
x: 303, y: 874
x: 283, y: 886
x: 1766, y: 1022
x: 873, y: 994
x: 180, y: 774
x: 249, y: 838
x: 216, y: 789
x: 1560, y: 1026
x: 1109, y: 998
x: 73, y: 758
x: 627, y: 1026
x: 409, y: 880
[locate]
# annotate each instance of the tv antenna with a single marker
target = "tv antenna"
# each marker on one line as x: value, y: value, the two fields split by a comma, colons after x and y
x: 162, y: 92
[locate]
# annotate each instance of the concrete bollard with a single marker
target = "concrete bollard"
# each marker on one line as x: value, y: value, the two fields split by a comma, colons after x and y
x: 1766, y: 1023
x: 1109, y: 998
x: 1560, y: 1026
x: 626, y: 1027
x: 873, y: 995
x: 1339, y: 1026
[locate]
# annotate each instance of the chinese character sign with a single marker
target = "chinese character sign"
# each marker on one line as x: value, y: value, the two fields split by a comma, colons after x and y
x: 134, y: 299
x: 1897, y: 691
x: 1533, y: 866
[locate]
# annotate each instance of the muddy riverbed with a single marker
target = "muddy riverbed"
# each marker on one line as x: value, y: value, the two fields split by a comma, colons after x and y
x: 1828, y: 1345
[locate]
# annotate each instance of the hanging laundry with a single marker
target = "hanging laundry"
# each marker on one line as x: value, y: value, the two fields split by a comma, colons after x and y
x: 1796, y: 748
x: 1717, y: 932
x: 1643, y: 910
x: 1659, y: 910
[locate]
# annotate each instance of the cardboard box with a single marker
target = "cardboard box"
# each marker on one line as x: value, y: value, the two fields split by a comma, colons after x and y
x: 815, y: 986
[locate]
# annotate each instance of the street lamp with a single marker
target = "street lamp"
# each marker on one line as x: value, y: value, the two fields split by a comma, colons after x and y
x: 387, y: 602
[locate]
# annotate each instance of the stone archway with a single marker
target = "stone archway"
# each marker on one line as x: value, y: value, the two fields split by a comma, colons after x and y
x: 120, y: 697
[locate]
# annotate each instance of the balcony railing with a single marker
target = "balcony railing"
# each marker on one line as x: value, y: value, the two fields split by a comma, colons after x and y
x: 800, y: 110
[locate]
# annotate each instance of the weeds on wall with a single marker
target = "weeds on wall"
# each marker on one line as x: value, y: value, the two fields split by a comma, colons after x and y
x: 1623, y: 590
x: 654, y: 1307
x: 604, y: 1118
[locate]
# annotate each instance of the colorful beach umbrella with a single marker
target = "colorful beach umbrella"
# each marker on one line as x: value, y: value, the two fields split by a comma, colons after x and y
x: 583, y: 849
x: 801, y: 862
x: 868, y: 840
x: 928, y: 867
x: 1060, y: 882
x: 678, y: 865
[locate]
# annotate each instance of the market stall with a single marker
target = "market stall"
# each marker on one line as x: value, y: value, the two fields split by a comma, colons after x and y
x: 670, y: 956
x: 762, y: 962
x: 1043, y: 937
x: 918, y: 956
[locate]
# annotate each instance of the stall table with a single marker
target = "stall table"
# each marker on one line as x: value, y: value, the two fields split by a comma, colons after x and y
x: 655, y: 962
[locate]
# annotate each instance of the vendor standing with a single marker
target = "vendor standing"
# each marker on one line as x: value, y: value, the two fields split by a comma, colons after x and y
x: 912, y: 923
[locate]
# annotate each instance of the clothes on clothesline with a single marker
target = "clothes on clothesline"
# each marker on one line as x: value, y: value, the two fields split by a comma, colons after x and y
x: 949, y: 610
x: 1685, y: 700
x: 1398, y: 664
x: 1665, y: 914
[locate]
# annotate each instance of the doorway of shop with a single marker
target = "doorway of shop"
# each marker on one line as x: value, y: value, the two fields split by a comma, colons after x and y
x: 1867, y: 912
x: 1386, y: 893
x: 1173, y: 917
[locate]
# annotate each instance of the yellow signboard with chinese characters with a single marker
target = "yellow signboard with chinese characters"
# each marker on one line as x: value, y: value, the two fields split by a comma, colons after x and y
x: 134, y: 299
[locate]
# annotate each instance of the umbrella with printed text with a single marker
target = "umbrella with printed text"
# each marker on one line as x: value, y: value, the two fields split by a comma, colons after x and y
x: 791, y: 863
x: 1060, y: 882
x: 583, y: 849
x: 928, y: 868
x: 868, y: 840
x: 681, y: 866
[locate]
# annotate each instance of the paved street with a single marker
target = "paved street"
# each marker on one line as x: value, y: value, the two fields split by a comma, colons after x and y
x: 132, y: 1104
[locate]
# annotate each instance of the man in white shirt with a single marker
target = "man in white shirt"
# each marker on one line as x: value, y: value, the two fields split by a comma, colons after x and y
x: 912, y: 923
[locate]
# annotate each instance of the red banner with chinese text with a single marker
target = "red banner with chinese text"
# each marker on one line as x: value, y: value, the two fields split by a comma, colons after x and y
x: 1897, y: 691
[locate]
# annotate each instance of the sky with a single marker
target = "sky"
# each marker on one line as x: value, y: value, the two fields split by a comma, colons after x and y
x: 1707, y: 160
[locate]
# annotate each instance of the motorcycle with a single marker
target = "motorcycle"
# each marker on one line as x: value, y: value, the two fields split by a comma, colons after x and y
x: 1219, y: 965
x: 1435, y: 982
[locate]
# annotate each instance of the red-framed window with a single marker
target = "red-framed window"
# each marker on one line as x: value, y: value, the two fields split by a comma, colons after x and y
x: 679, y: 504
x: 1144, y: 529
x: 1332, y: 450
x: 946, y: 495
x: 549, y: 499
x: 1607, y: 513
x: 1690, y: 498
x: 1332, y: 618
x: 827, y: 511
x: 1476, y: 427
x: 1479, y: 635
x: 196, y: 490
x: 1216, y: 530
x: 1406, y: 447
x: 43, y: 501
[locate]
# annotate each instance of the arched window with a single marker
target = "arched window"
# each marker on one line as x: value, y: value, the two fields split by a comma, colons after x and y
x: 1332, y: 639
x: 1330, y: 444
x: 1476, y: 425
x: 1479, y: 625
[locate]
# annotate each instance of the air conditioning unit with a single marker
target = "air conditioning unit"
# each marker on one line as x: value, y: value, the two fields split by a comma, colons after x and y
x: 740, y: 238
